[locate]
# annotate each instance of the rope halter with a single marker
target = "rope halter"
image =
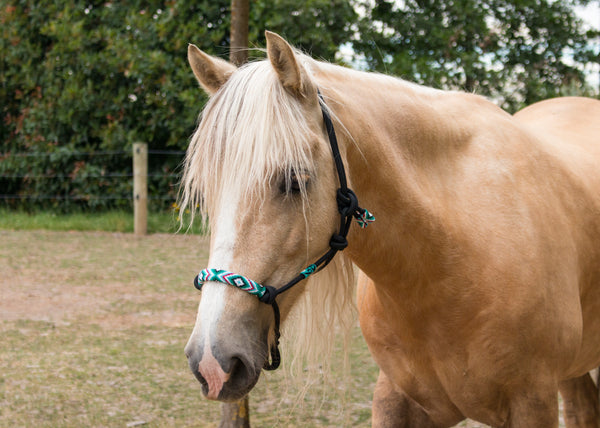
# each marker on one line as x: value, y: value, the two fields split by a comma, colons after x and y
x: 348, y: 208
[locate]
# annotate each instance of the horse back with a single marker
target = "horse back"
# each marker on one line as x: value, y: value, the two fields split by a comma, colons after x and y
x: 568, y: 124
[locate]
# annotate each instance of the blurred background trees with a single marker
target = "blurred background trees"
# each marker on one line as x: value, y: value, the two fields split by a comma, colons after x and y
x: 93, y: 76
x: 515, y: 51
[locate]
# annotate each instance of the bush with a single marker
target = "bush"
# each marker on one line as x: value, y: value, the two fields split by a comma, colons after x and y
x: 89, y: 77
x: 97, y: 76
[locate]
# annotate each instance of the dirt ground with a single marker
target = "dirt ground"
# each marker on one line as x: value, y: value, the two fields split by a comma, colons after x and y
x: 63, y: 277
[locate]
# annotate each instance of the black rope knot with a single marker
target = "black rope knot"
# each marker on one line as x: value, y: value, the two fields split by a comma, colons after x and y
x: 347, y: 202
x: 338, y: 242
x: 269, y: 296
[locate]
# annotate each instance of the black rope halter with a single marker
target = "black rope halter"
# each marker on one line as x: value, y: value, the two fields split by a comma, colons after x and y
x: 348, y: 208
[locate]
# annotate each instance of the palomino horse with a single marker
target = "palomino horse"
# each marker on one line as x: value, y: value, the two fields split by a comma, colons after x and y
x: 481, y: 293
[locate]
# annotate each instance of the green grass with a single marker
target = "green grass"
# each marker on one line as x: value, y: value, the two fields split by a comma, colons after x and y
x: 112, y: 221
x: 77, y: 374
x: 81, y: 375
x: 93, y: 327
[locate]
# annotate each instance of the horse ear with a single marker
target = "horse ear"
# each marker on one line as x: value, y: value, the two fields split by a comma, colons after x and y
x: 211, y: 72
x: 291, y: 73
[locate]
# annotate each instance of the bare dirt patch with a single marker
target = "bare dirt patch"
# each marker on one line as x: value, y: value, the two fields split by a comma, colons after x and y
x: 106, y: 278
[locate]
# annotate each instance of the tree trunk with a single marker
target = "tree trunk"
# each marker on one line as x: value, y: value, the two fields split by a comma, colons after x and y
x: 239, y: 31
x: 235, y: 415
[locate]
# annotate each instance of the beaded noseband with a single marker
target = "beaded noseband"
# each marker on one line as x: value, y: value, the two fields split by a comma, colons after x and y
x: 348, y: 208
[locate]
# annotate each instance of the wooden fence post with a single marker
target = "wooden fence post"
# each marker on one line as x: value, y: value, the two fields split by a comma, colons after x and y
x: 235, y: 415
x: 140, y: 188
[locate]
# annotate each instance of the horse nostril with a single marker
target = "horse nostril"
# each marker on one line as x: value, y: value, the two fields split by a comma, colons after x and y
x: 237, y: 367
x: 199, y: 377
x: 241, y: 372
x: 194, y: 357
x: 223, y: 375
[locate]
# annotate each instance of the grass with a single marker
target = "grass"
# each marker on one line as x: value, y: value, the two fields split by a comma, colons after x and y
x: 111, y: 221
x: 93, y: 326
x: 75, y: 374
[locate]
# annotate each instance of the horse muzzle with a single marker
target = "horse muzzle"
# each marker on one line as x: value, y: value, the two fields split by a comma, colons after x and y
x: 224, y: 376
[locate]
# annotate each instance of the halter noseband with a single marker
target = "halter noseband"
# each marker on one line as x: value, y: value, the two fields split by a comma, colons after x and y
x: 348, y: 208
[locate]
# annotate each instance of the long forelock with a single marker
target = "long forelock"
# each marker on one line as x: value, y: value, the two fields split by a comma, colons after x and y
x: 251, y: 132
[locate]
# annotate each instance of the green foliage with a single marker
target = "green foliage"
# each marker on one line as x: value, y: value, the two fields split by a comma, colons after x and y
x: 90, y: 76
x: 317, y: 27
x: 512, y: 50
x: 96, y: 76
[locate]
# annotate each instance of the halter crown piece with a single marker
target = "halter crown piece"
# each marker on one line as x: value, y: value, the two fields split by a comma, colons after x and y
x: 348, y: 208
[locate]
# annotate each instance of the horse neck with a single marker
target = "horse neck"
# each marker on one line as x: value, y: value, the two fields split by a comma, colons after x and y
x: 403, y: 139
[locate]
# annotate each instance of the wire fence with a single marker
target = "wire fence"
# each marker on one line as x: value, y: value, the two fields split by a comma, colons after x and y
x: 95, y: 179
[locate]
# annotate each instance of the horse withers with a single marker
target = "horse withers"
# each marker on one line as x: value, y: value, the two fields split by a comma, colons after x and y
x: 480, y: 292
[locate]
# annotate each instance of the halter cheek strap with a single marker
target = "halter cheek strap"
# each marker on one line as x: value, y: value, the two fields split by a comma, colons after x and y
x: 348, y: 208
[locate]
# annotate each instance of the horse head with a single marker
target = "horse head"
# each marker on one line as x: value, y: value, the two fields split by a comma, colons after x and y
x: 260, y: 168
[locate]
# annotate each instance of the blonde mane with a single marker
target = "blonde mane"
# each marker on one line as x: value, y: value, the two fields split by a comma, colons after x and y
x: 251, y: 132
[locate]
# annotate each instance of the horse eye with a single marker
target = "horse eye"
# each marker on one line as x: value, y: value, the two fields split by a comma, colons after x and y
x: 294, y: 184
